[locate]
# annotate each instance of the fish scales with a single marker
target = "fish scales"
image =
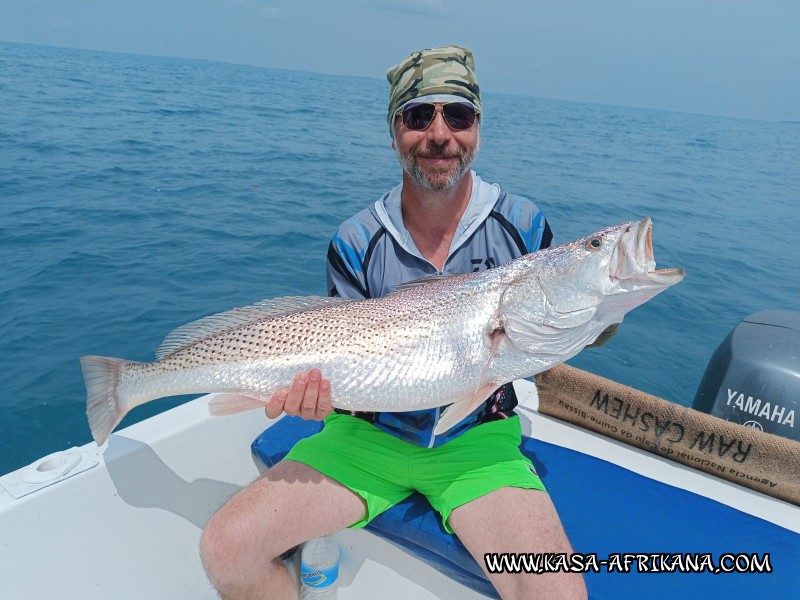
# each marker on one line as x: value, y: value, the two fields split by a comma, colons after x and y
x: 446, y: 340
x: 423, y: 336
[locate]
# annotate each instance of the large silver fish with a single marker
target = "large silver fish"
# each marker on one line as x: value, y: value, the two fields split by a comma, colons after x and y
x: 436, y: 341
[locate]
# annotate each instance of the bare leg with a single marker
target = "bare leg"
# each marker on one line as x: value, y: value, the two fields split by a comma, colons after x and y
x: 290, y: 504
x: 528, y: 523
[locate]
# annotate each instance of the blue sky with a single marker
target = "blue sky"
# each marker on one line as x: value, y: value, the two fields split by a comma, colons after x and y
x: 722, y: 57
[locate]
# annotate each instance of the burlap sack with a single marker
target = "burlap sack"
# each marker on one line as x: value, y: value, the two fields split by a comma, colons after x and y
x: 764, y: 462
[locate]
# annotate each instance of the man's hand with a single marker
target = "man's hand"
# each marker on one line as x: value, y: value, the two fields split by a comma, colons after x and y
x: 606, y: 335
x: 309, y: 397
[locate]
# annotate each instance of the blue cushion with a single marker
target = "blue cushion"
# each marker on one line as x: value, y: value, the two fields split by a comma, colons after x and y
x: 605, y: 509
x: 274, y: 443
x: 412, y: 523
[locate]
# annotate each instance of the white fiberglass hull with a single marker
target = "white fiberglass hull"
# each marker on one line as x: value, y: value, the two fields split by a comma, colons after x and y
x: 129, y: 527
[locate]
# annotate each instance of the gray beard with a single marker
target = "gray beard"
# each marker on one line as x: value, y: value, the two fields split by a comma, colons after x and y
x: 417, y: 173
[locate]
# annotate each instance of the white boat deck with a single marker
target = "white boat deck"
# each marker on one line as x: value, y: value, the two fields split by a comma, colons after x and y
x: 129, y: 527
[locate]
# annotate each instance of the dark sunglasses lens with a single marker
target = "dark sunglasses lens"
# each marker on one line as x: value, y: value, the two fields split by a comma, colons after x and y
x: 459, y: 116
x: 418, y: 116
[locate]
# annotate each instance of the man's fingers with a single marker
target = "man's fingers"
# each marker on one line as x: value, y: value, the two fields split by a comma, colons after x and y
x: 606, y: 335
x: 324, y: 407
x: 308, y: 406
x: 296, y: 393
x: 309, y: 397
x: 275, y: 405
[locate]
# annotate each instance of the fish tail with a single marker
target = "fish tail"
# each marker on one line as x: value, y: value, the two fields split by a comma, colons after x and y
x: 104, y: 407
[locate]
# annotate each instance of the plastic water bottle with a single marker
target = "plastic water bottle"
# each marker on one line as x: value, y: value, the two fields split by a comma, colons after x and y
x: 319, y: 569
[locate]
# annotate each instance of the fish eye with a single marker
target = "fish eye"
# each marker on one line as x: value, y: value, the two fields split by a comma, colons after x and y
x: 594, y: 244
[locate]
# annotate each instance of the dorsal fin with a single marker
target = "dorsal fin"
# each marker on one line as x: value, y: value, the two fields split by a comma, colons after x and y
x: 422, y: 281
x: 188, y: 334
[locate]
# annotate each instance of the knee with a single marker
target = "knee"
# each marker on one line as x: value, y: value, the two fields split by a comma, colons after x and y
x: 574, y: 586
x: 215, y: 545
x: 226, y: 546
x: 238, y: 534
x: 550, y: 586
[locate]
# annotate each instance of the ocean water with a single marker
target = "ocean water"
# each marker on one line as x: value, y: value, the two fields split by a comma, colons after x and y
x: 139, y: 193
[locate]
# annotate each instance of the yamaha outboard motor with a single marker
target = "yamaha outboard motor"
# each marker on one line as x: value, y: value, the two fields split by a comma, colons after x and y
x: 753, y: 377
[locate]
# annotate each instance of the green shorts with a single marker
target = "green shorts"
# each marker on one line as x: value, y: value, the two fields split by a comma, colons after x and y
x: 385, y: 470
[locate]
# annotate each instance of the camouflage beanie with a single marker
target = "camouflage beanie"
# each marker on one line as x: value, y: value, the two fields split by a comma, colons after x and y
x: 443, y: 70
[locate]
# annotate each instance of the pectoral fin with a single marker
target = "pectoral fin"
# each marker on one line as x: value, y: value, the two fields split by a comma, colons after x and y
x: 460, y: 409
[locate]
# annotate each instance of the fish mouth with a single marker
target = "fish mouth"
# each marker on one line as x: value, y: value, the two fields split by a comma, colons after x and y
x: 633, y: 263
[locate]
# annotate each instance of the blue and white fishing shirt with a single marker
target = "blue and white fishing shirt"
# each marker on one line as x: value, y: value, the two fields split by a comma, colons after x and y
x: 372, y: 253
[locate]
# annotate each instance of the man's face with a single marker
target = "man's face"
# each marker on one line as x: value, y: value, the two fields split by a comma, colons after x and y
x: 438, y: 156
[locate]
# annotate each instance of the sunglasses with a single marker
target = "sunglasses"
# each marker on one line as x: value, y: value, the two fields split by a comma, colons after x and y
x: 457, y: 115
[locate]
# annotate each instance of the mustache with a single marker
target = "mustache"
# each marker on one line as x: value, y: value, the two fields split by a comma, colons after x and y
x: 439, y: 151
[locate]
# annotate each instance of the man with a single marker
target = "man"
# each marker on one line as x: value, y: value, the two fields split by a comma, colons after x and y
x: 442, y: 219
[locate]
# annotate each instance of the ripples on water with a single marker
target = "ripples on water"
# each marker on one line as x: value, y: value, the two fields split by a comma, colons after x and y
x: 139, y: 193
